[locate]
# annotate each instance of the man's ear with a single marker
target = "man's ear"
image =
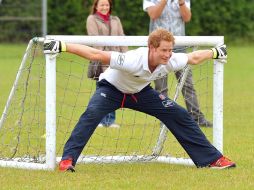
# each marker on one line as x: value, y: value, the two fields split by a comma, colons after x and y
x: 151, y: 47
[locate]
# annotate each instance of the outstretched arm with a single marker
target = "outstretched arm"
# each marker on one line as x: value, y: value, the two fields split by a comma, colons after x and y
x: 89, y: 53
x: 197, y: 57
x: 54, y: 46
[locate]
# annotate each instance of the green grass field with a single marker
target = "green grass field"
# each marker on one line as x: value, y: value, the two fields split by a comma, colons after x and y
x: 238, y: 142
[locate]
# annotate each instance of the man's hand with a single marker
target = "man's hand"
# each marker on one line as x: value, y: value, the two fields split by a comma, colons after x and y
x: 220, y: 52
x: 53, y: 46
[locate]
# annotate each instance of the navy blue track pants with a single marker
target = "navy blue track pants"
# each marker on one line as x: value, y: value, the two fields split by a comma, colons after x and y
x: 108, y: 99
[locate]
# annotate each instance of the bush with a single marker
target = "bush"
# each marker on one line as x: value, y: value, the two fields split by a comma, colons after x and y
x: 232, y: 19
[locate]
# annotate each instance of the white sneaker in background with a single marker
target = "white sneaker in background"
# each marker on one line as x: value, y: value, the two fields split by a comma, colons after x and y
x: 100, y: 125
x: 114, y: 125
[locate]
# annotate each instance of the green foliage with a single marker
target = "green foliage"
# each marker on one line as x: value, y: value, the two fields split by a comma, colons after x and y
x: 19, y: 21
x: 135, y: 20
x: 66, y: 17
x: 232, y: 19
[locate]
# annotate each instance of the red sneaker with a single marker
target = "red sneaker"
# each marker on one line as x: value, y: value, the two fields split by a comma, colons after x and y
x: 222, y: 163
x: 66, y: 165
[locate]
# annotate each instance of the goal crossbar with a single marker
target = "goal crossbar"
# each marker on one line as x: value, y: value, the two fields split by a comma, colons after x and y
x: 137, y: 40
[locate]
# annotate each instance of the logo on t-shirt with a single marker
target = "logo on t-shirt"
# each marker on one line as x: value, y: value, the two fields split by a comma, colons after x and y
x: 120, y: 59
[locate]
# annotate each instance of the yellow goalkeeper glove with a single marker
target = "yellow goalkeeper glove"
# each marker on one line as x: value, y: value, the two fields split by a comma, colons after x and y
x: 220, y: 52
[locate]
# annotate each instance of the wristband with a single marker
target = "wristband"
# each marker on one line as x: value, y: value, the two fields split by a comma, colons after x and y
x: 215, y: 53
x: 63, y: 46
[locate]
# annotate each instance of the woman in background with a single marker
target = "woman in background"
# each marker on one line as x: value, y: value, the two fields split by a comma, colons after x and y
x: 101, y: 23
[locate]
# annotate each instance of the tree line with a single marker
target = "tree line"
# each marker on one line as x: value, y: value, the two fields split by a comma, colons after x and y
x: 232, y: 19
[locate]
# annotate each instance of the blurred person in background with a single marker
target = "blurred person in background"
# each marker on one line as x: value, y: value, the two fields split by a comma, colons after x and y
x: 101, y: 22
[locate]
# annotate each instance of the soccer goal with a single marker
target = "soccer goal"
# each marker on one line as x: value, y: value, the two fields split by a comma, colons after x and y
x: 52, y: 91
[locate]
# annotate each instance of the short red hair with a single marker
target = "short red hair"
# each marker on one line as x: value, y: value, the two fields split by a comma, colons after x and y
x: 159, y: 35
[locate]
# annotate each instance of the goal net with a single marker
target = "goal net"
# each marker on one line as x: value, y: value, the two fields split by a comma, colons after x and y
x: 51, y: 92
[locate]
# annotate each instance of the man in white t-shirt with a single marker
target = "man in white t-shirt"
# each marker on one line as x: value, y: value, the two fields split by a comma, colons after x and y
x: 126, y: 83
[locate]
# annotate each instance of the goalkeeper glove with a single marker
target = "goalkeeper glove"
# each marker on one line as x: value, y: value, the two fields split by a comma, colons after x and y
x: 220, y: 52
x: 54, y: 46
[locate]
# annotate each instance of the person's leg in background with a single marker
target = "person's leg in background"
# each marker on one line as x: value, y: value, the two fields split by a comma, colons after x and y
x: 161, y: 85
x: 109, y: 121
x: 191, y: 100
x: 189, y: 94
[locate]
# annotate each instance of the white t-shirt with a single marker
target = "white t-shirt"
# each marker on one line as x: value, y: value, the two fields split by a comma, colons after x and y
x: 129, y: 72
x: 170, y: 18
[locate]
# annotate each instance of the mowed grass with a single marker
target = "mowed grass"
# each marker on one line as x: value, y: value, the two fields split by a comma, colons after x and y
x: 238, y: 142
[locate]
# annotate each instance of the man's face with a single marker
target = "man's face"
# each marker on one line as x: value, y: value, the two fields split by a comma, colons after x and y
x: 163, y: 52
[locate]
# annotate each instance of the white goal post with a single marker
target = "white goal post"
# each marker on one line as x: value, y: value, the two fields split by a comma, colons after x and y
x: 25, y: 104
